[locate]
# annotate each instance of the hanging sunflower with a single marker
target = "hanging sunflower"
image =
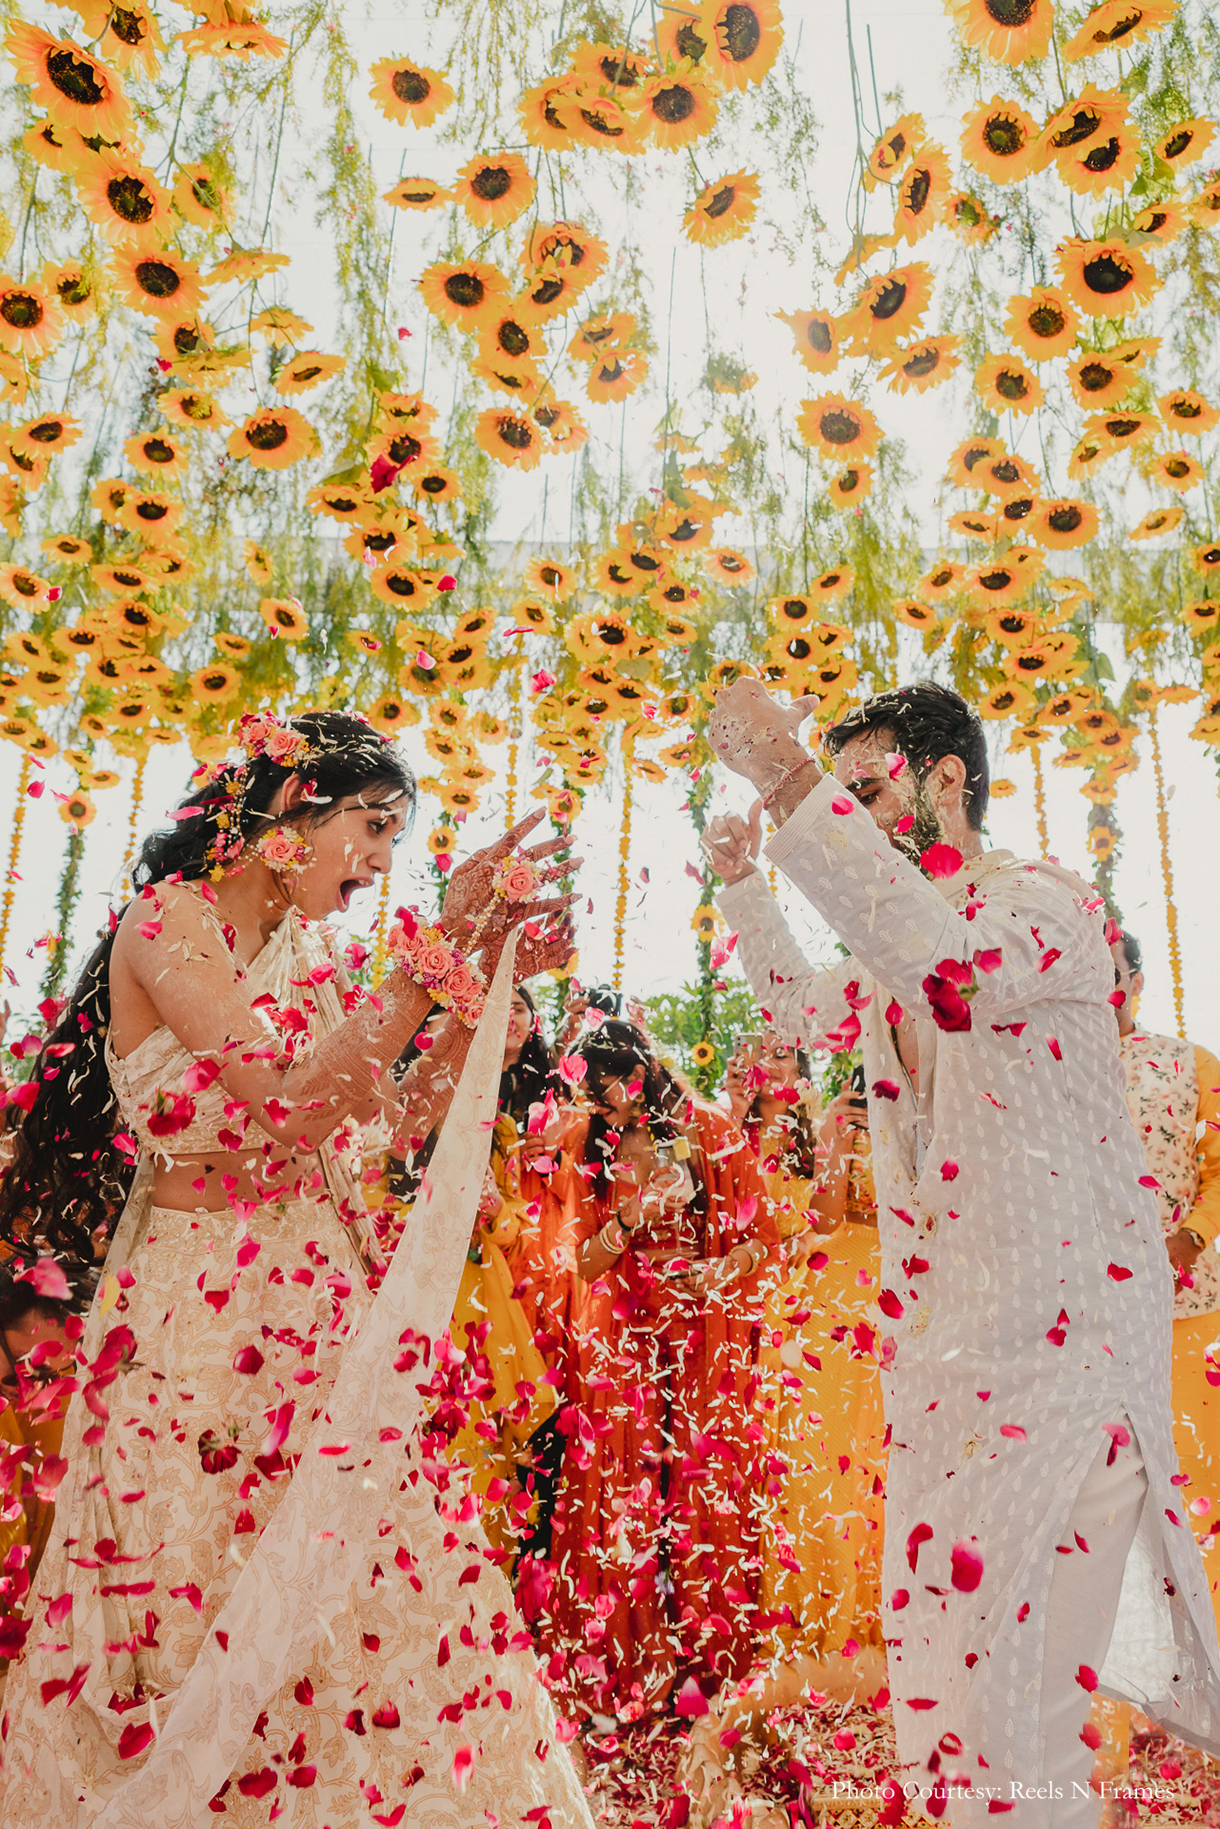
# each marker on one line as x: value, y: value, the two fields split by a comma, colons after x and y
x: 416, y: 194
x: 676, y: 110
x: 914, y: 614
x: 728, y: 566
x: 67, y: 549
x: 745, y: 38
x: 1004, y: 382
x: 75, y: 285
x: 1205, y: 208
x: 508, y: 437
x: 890, y: 307
x: 435, y: 483
x: 969, y: 217
x: 1014, y: 699
x: 723, y: 210
x: 1188, y: 411
x: 521, y: 379
x: 1117, y: 24
x: 1105, y: 165
x: 617, y: 376
x: 599, y: 121
x: 972, y: 525
x: 157, y: 453
x: 403, y: 586
x: 1123, y: 431
x: 1176, y: 471
x: 1089, y: 455
x: 855, y: 484
x: 599, y: 335
x: 1186, y: 142
x: 1008, y: 31
x: 307, y: 370
x: 833, y: 584
x: 1162, y: 222
x: 409, y: 92
x: 1098, y: 380
x: 150, y: 514
x: 462, y: 293
x: 157, y: 281
x: 49, y: 433
x: 511, y: 335
x: 894, y: 149
x: 817, y: 339
x: 923, y: 193
x: 1105, y: 278
x: 1064, y: 523
x: 273, y: 438
x: 970, y: 456
x: 566, y: 247
x: 76, y: 90
x: 944, y: 579
x: 201, y: 198
x: 494, y: 191
x: 565, y: 430
x: 1156, y: 522
x: 922, y: 365
x: 31, y: 319
x: 1001, y: 141
x: 1042, y: 323
x: 838, y: 427
x: 558, y: 581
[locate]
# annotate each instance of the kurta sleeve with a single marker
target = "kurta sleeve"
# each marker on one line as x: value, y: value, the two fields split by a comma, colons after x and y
x: 1022, y: 940
x: 1205, y: 1214
x: 803, y: 1003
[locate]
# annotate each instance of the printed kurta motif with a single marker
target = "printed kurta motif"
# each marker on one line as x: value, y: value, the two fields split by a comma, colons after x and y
x: 258, y: 1597
x: 1028, y: 1291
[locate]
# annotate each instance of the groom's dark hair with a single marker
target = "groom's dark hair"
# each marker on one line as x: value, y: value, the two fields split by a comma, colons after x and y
x: 928, y: 723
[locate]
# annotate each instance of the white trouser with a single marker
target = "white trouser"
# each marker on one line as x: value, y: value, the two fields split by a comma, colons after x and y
x: 1079, y: 1623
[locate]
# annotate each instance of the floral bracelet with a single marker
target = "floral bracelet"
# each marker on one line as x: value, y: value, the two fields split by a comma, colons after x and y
x: 427, y: 956
x: 516, y: 879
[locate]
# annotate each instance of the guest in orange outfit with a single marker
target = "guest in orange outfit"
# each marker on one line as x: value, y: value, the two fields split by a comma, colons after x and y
x: 655, y: 1550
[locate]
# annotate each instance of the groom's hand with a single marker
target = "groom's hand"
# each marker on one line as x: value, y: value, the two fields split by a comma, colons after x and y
x: 756, y: 737
x: 731, y: 844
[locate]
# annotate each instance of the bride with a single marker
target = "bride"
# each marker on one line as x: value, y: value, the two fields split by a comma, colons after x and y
x: 254, y: 1606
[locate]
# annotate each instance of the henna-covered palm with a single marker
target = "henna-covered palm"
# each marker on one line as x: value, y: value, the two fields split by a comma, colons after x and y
x: 475, y: 917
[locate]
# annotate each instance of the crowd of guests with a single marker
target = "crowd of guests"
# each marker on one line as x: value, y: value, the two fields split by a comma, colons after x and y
x: 661, y: 1381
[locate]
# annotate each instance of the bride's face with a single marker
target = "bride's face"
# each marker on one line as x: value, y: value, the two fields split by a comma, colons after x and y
x: 350, y: 847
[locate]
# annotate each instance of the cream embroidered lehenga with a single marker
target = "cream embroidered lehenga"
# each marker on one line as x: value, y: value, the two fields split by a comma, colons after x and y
x: 252, y: 1609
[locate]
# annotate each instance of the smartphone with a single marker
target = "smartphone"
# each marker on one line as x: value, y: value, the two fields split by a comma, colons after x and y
x: 856, y: 1086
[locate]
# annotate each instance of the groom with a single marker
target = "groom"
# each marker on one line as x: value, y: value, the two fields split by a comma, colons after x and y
x: 1035, y: 1547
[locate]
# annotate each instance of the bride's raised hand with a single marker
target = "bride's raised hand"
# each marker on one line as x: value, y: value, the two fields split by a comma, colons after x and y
x: 476, y: 915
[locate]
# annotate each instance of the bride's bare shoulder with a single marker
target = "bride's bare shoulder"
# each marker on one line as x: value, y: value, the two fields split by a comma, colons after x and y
x: 167, y: 917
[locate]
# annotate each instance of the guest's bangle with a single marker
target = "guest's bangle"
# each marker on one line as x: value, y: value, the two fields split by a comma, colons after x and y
x: 749, y: 1250
x: 611, y: 1239
x: 1191, y: 1233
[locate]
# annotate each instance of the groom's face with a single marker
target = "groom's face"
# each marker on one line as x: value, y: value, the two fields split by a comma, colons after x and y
x: 873, y: 769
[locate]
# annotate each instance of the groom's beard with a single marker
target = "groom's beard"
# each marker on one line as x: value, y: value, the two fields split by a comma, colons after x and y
x: 925, y: 828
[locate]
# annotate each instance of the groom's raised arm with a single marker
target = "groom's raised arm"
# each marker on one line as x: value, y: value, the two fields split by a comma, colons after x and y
x: 806, y: 1005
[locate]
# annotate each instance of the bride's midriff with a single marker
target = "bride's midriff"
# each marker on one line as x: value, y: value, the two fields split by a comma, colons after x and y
x: 214, y: 1181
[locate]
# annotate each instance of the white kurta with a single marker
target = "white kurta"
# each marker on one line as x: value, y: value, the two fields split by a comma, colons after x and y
x: 1029, y: 1289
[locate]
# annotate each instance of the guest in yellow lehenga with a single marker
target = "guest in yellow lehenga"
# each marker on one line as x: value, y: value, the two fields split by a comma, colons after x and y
x: 509, y: 1396
x: 251, y: 1607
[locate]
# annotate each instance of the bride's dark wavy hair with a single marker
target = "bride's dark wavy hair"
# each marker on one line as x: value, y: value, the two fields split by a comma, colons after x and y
x: 66, y: 1182
x: 619, y: 1051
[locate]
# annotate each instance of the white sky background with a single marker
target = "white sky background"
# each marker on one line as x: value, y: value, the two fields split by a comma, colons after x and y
x: 910, y: 49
